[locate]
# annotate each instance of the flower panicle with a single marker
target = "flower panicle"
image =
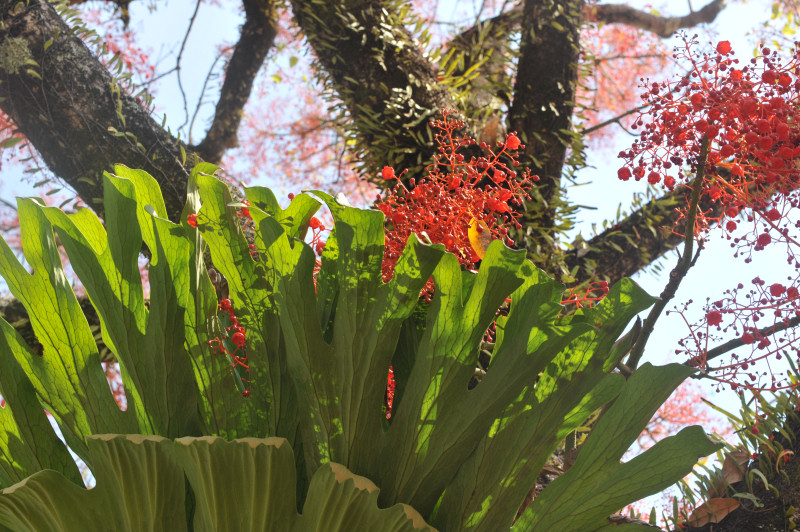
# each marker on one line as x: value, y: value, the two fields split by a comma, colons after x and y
x: 737, y: 126
x: 456, y: 192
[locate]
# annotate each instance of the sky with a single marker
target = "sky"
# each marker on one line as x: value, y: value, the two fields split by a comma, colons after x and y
x: 163, y: 26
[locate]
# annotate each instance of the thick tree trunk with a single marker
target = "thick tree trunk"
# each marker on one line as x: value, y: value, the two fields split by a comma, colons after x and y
x: 544, y: 96
x: 72, y: 111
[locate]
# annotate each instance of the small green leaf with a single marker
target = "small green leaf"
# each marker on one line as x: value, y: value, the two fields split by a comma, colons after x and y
x: 11, y: 141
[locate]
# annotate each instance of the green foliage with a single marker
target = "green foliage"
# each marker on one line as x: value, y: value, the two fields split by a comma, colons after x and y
x: 599, y: 465
x: 238, y: 485
x: 319, y: 347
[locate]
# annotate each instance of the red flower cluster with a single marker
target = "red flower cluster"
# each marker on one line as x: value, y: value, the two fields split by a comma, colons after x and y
x: 761, y: 319
x: 455, y: 196
x: 455, y: 192
x: 233, y: 344
x: 317, y: 228
x: 244, y: 212
x: 749, y: 118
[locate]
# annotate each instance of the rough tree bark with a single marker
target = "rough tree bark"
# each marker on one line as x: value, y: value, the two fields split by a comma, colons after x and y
x: 388, y: 86
x: 63, y: 102
x: 544, y: 95
x: 68, y: 106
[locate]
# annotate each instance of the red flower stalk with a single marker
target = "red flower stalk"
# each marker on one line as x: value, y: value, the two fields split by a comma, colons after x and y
x: 390, y: 388
x: 244, y: 212
x: 453, y: 193
x: 587, y: 297
x: 232, y: 346
x: 317, y: 229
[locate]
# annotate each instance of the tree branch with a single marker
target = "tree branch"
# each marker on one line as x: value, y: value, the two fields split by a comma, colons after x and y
x: 730, y: 345
x: 541, y: 111
x: 389, y: 88
x: 68, y: 106
x: 677, y: 275
x: 662, y: 26
x: 635, y: 242
x: 257, y: 37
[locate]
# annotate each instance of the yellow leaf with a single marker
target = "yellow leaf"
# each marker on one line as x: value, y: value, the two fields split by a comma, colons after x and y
x: 784, y: 456
x: 479, y: 236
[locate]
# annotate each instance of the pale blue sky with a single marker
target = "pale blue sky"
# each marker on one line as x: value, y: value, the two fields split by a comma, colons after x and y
x: 164, y: 28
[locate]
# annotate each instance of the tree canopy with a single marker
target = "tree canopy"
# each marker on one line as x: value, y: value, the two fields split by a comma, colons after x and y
x: 558, y: 74
x: 517, y: 70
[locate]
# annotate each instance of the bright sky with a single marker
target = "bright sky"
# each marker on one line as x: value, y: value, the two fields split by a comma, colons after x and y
x: 164, y: 29
x: 164, y: 25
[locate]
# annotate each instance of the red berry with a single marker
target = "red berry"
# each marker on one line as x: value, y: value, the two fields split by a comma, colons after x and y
x: 513, y: 142
x: 777, y: 290
x: 238, y: 338
x: 724, y: 47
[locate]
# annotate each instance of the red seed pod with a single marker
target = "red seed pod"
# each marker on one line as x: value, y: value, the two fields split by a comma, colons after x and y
x: 238, y: 338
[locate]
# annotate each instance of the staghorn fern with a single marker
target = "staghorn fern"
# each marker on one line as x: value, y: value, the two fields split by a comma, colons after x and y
x: 318, y: 354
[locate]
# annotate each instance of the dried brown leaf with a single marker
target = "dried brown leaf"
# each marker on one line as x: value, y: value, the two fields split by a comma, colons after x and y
x: 734, y: 466
x: 712, y: 511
